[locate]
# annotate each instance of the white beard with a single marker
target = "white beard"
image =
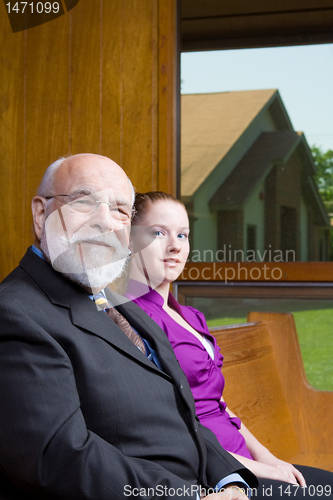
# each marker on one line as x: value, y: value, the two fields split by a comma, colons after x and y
x: 98, y: 278
x: 82, y: 263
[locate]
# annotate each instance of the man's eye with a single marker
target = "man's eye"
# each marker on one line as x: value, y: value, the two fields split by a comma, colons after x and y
x: 83, y: 201
x: 119, y: 214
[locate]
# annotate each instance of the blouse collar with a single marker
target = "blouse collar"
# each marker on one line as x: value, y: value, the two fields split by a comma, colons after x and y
x: 136, y: 290
x: 132, y: 292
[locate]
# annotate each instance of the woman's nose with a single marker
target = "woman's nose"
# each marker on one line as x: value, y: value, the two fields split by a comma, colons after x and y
x: 174, y: 246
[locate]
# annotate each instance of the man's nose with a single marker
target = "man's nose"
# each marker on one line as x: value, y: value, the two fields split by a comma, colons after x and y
x: 101, y: 218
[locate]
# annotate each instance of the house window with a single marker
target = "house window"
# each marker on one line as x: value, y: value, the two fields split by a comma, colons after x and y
x: 289, y: 234
x: 251, y: 238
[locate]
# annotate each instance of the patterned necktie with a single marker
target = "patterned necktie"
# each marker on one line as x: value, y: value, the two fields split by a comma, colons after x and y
x: 119, y: 319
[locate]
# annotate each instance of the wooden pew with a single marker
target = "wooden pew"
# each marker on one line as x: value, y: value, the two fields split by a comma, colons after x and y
x: 266, y: 387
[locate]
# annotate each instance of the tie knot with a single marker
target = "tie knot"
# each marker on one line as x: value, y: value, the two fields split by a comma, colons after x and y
x: 103, y: 305
x: 101, y: 302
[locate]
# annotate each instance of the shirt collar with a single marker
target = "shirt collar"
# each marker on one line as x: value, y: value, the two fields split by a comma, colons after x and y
x: 93, y: 296
x: 41, y: 255
x: 38, y: 252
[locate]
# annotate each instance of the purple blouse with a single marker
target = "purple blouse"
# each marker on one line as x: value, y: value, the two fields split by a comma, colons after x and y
x: 203, y: 373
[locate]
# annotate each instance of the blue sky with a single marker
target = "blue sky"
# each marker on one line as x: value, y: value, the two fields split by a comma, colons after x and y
x: 303, y: 75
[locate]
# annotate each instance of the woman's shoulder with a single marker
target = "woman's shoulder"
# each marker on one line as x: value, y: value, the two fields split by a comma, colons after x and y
x: 192, y: 314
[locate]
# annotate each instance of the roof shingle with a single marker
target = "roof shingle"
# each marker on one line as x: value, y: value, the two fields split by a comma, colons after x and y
x: 210, y: 126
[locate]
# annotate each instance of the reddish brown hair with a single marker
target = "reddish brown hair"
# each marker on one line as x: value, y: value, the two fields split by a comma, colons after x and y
x: 143, y: 202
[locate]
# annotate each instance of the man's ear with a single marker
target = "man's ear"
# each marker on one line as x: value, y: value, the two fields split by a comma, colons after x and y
x: 38, y: 213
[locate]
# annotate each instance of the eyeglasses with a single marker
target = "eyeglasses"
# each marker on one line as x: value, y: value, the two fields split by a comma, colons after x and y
x: 88, y: 205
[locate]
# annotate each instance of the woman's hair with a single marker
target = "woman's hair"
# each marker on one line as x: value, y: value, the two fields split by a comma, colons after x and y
x: 143, y: 202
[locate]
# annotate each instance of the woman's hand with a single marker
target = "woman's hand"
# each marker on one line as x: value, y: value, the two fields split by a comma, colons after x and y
x: 271, y: 467
x: 280, y: 470
x: 265, y: 464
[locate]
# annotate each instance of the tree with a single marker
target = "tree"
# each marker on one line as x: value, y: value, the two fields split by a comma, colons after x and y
x: 324, y: 177
x: 324, y: 180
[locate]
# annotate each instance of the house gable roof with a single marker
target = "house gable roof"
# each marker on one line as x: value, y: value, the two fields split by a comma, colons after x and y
x: 253, y: 167
x: 269, y: 148
x: 212, y: 124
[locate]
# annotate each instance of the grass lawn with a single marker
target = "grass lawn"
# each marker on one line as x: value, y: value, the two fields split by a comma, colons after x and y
x: 315, y: 333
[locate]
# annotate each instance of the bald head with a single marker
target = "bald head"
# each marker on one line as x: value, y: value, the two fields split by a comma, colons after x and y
x: 82, y: 216
x: 72, y: 165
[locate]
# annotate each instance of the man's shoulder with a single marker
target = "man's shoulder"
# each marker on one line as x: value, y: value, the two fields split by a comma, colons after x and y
x: 14, y: 279
x: 16, y: 285
x: 33, y: 276
x: 33, y: 293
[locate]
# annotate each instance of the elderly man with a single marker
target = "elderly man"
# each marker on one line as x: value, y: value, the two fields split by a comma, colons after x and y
x: 94, y: 406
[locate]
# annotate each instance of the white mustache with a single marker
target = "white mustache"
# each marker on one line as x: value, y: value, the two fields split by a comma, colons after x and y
x: 109, y: 240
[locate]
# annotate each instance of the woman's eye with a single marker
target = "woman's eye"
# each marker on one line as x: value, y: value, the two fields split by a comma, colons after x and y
x: 158, y: 233
x: 182, y: 236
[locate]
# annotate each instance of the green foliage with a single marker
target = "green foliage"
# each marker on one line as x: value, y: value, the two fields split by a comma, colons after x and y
x: 324, y: 177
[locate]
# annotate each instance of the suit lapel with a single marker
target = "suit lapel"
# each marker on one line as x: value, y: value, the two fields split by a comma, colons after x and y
x: 97, y: 322
x: 84, y: 314
x: 160, y: 343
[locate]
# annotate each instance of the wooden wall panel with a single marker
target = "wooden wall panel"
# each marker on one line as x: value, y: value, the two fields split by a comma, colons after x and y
x: 191, y: 9
x: 12, y: 155
x: 46, y: 94
x: 216, y: 25
x: 111, y: 119
x: 169, y: 99
x: 139, y: 92
x: 84, y: 75
x: 100, y: 79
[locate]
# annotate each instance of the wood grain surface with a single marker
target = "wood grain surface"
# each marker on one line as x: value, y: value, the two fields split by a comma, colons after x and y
x: 102, y: 78
x: 266, y: 387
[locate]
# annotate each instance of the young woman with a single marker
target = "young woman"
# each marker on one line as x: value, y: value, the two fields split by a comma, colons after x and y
x: 160, y: 248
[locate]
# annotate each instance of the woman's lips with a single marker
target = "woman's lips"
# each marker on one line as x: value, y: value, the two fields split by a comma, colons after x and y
x: 171, y: 262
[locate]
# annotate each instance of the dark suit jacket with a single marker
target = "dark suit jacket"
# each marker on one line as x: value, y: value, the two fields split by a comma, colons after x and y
x: 83, y: 412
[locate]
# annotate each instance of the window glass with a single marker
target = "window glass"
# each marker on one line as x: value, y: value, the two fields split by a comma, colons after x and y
x: 257, y: 153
